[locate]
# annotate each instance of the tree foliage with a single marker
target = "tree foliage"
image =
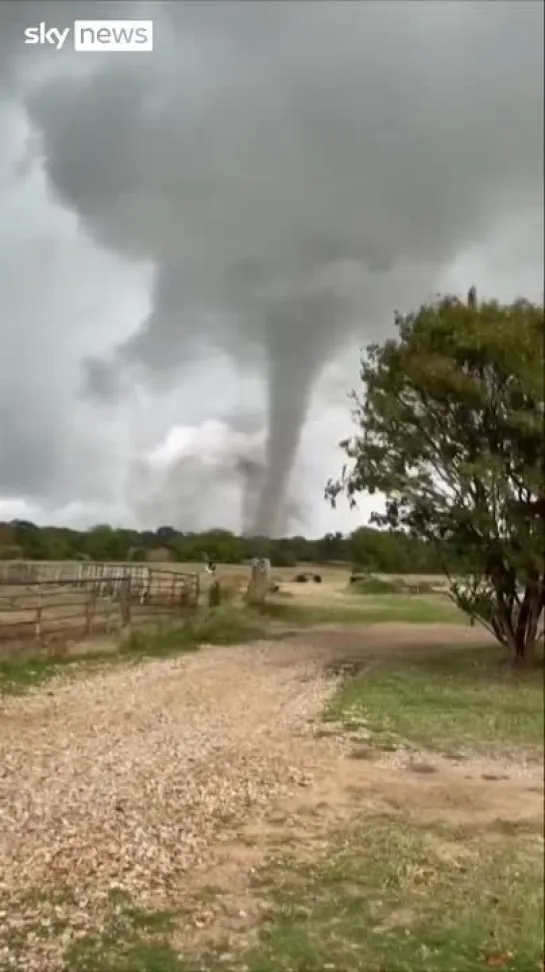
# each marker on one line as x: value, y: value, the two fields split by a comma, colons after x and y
x: 451, y: 431
x: 383, y: 551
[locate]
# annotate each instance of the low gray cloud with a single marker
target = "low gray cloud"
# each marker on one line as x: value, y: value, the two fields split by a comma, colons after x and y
x: 291, y: 172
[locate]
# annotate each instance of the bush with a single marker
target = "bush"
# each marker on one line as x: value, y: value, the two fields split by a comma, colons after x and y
x: 226, y: 626
x: 374, y: 585
x: 214, y: 595
x: 220, y: 626
x: 161, y: 640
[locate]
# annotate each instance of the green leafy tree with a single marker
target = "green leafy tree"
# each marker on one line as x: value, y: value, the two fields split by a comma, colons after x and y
x: 331, y: 547
x: 282, y: 553
x: 31, y: 540
x: 166, y: 534
x: 377, y: 550
x: 384, y: 550
x: 451, y: 431
x: 105, y: 543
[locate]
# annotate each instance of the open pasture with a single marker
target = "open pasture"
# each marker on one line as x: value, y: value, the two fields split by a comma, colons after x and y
x: 334, y: 584
x: 50, y: 606
x: 333, y: 575
x: 334, y: 599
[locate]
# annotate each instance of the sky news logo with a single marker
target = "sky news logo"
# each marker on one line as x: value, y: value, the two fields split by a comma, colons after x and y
x: 92, y: 36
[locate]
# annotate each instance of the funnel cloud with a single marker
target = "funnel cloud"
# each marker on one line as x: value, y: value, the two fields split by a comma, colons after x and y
x: 292, y: 173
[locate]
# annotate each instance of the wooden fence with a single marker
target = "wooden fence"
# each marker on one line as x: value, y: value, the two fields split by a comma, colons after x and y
x: 50, y: 612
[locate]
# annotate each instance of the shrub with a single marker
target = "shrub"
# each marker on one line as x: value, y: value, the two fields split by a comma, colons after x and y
x: 374, y: 585
x: 220, y: 626
x: 214, y: 595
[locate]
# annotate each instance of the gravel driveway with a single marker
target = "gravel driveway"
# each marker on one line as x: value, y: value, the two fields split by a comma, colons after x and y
x: 123, y: 776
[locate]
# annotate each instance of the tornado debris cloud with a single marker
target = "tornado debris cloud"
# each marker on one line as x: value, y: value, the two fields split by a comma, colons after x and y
x: 292, y: 171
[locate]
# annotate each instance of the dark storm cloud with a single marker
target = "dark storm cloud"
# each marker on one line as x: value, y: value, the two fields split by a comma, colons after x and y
x: 288, y: 167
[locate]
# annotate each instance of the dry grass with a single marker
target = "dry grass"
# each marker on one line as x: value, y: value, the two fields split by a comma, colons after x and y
x: 56, y: 619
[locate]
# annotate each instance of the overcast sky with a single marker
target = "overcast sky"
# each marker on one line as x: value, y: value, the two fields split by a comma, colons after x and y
x: 193, y: 237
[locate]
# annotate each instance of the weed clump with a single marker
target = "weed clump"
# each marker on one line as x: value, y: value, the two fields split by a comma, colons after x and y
x: 215, y: 626
x: 374, y: 585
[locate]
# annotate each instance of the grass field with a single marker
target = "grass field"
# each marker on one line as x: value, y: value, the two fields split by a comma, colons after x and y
x: 371, y: 609
x: 398, y: 897
x: 53, y: 618
x: 453, y: 699
x: 395, y: 893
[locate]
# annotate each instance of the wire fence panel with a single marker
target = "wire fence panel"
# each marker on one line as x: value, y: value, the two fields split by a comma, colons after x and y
x: 37, y: 608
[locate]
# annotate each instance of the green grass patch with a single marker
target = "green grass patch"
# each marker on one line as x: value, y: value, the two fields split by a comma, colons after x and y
x: 446, y: 699
x: 375, y: 585
x: 31, y: 914
x: 128, y: 938
x: 218, y: 626
x: 132, y: 940
x: 386, y: 896
x: 396, y: 898
x: 377, y: 609
x: 367, y: 584
x: 17, y: 675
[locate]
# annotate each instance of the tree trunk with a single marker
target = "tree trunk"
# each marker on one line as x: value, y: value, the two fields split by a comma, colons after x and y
x: 527, y: 625
x: 519, y: 638
x: 524, y: 652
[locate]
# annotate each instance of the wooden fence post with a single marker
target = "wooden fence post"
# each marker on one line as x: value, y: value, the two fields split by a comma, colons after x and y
x: 90, y: 610
x: 125, y: 602
x: 185, y: 598
x: 38, y: 623
x: 108, y: 614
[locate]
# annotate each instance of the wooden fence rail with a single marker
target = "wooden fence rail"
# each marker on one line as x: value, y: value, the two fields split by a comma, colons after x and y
x: 51, y: 611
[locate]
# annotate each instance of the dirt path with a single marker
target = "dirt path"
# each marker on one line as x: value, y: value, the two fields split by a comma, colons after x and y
x: 134, y: 775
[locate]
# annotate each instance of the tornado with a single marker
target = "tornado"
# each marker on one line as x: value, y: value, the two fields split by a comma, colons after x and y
x: 250, y: 473
x: 299, y: 338
x: 289, y: 391
x: 255, y: 152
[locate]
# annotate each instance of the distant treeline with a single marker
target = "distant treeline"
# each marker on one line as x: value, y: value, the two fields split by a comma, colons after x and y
x: 381, y: 551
